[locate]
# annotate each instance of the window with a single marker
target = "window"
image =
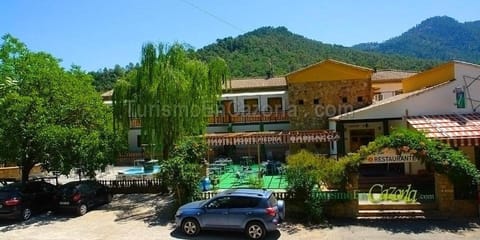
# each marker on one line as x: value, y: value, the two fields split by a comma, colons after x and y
x: 275, y: 104
x: 359, y: 99
x: 250, y: 105
x: 244, y: 202
x: 344, y: 99
x: 300, y: 102
x: 222, y: 202
x: 316, y: 101
x: 226, y: 107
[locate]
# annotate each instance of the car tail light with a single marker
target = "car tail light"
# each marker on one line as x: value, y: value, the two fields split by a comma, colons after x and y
x: 271, y: 212
x: 12, y: 202
x: 76, y: 197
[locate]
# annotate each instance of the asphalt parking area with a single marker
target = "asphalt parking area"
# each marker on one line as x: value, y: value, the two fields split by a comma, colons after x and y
x: 147, y: 216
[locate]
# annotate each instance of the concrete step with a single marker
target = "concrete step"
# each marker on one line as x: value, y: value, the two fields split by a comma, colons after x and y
x: 399, y: 214
x: 393, y: 206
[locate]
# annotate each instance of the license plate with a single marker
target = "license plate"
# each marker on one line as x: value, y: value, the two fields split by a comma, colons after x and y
x: 64, y: 203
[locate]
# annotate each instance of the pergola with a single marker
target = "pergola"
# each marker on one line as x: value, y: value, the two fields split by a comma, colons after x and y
x: 278, y: 137
x: 282, y: 137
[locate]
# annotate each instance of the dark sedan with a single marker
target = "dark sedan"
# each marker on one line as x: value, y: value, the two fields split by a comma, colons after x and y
x: 81, y: 196
x: 19, y: 200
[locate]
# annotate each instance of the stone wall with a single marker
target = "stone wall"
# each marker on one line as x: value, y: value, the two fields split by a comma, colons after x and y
x: 348, y: 208
x: 324, y: 99
x: 16, y: 172
x: 447, y: 205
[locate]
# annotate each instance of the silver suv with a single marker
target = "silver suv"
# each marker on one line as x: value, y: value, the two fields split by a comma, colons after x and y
x: 251, y: 210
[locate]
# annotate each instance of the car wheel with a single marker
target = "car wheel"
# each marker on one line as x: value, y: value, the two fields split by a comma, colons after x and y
x: 82, y: 209
x: 26, y: 214
x: 190, y: 227
x: 255, y: 230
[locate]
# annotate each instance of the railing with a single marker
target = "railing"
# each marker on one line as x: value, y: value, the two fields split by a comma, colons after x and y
x: 135, y: 186
x: 278, y: 195
x: 242, y: 117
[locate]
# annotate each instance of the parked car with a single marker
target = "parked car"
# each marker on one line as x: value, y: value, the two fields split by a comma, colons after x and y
x: 80, y: 196
x: 254, y: 211
x: 19, y: 200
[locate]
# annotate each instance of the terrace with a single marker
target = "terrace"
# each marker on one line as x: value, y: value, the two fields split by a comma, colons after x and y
x: 268, y: 175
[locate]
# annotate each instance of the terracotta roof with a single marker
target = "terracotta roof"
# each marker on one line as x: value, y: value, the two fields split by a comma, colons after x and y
x: 455, y: 129
x: 385, y: 75
x: 276, y: 82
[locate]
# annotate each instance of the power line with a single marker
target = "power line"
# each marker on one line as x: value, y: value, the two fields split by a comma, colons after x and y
x: 214, y: 16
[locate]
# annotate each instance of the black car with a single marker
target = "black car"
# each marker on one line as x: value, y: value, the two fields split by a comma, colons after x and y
x: 19, y: 200
x: 80, y: 196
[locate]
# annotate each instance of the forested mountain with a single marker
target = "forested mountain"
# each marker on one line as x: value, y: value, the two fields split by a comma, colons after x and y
x: 104, y: 79
x: 277, y: 51
x: 442, y: 38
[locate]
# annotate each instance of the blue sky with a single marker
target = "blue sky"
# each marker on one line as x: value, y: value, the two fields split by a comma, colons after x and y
x: 101, y: 33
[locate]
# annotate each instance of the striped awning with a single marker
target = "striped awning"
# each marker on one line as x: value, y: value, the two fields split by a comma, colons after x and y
x: 283, y: 137
x: 454, y: 129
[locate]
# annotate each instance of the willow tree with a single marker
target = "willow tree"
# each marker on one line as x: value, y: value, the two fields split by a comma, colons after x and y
x: 171, y: 93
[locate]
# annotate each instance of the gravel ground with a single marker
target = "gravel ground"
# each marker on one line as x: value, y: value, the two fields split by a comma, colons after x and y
x: 145, y: 216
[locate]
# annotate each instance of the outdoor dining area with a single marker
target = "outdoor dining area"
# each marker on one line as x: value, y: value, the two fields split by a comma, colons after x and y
x: 225, y: 173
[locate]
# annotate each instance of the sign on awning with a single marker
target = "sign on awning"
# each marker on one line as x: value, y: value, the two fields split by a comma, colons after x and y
x: 284, y: 137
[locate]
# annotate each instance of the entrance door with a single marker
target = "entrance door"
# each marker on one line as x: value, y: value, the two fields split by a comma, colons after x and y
x: 360, y: 137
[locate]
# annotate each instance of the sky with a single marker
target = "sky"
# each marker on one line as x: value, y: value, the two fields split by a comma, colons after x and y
x: 101, y: 33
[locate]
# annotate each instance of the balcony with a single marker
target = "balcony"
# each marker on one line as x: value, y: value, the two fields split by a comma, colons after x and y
x: 241, y: 117
x: 248, y: 117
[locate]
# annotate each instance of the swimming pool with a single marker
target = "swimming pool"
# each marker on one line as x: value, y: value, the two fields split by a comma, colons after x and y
x: 140, y: 171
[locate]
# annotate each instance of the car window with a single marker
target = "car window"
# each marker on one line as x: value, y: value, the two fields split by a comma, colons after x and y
x: 32, y: 187
x: 244, y: 202
x: 272, y: 201
x: 11, y: 187
x: 69, y: 189
x: 85, y: 188
x: 48, y: 187
x: 221, y: 202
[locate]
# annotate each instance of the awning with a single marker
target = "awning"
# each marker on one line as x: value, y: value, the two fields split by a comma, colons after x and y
x: 454, y: 129
x: 283, y: 137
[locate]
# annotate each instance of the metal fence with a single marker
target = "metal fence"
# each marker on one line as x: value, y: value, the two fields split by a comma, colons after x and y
x: 128, y: 186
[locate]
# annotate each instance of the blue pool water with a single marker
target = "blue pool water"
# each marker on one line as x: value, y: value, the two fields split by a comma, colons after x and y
x: 139, y: 170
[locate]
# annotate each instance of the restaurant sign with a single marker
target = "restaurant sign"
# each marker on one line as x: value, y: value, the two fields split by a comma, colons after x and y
x: 285, y: 137
x: 390, y: 155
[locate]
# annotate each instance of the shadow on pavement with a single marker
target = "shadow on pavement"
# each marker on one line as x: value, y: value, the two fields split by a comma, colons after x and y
x: 153, y: 209
x: 219, y: 235
x: 36, y: 221
x: 411, y: 226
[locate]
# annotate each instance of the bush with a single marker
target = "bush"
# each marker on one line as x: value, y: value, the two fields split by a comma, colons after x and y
x: 182, y: 177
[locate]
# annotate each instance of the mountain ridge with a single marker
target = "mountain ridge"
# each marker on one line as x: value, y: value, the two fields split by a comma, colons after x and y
x: 440, y: 37
x: 269, y: 51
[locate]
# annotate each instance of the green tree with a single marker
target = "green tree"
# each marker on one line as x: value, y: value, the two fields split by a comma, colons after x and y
x: 49, y: 115
x: 171, y: 93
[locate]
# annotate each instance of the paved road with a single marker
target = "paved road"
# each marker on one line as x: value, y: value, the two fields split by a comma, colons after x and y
x: 132, y: 217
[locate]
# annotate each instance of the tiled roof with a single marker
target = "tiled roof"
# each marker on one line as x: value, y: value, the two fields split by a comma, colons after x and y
x: 276, y: 82
x: 385, y: 75
x: 456, y: 129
